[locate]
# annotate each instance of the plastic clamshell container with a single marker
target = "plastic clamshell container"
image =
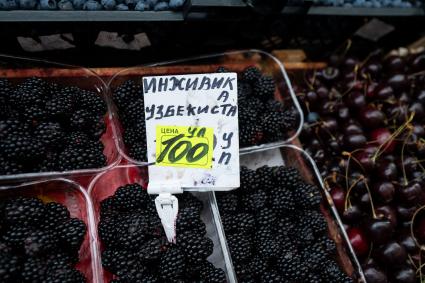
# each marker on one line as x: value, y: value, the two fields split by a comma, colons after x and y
x: 235, y: 61
x: 106, y: 183
x: 291, y: 155
x: 76, y: 199
x: 19, y: 69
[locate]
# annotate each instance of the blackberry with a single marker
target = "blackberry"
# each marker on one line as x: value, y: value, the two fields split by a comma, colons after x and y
x: 135, y: 135
x: 247, y: 115
x: 314, y: 257
x: 272, y: 123
x: 222, y: 69
x: 150, y: 251
x: 303, y: 236
x: 249, y: 181
x: 107, y: 207
x: 251, y: 74
x: 241, y: 222
x: 65, y: 275
x: 244, y: 93
x: 250, y: 134
x: 291, y: 267
x: 187, y: 218
x: 36, y: 84
x: 85, y: 121
x: 91, y: 101
x: 316, y: 221
x: 12, y: 127
x: 15, y: 236
x: 262, y: 234
x: 308, y: 196
x: 49, y: 163
x: 282, y: 201
x: 50, y: 134
x: 24, y: 211
x: 189, y: 200
x: 60, y: 105
x: 125, y: 93
x: 34, y: 270
x: 23, y: 97
x: 333, y: 273
x: 287, y: 177
x: 227, y: 202
x: 313, y: 278
x: 116, y: 260
x: 258, y: 265
x: 33, y: 114
x: 285, y: 226
x: 328, y: 245
x: 107, y: 231
x: 265, y: 177
x: 71, y: 233
x: 80, y: 139
x: 240, y: 247
x: 210, y: 274
x: 10, y: 167
x: 73, y: 158
x: 254, y: 201
x: 55, y: 214
x: 172, y: 264
x: 139, y: 152
x: 289, y: 119
x: 243, y: 271
x: 133, y: 112
x: 131, y: 231
x: 271, y: 277
x: 130, y: 197
x: 21, y: 148
x: 264, y: 87
x: 40, y: 242
x: 10, y: 268
x: 266, y: 217
x: 195, y: 247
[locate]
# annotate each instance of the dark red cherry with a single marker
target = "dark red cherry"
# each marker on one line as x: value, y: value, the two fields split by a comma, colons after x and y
x: 418, y: 62
x: 408, y: 243
x: 343, y: 113
x: 356, y: 99
x: 380, y: 231
x: 371, y: 90
x: 393, y: 254
x: 420, y: 97
x: 405, y: 213
x: 384, y: 92
x: 372, y: 117
x: 365, y: 157
x: 387, y: 170
x: 329, y: 125
x: 404, y: 98
x: 328, y: 108
x: 412, y: 193
x: 398, y: 82
x: 358, y: 241
x: 419, y: 227
x: 353, y: 142
x: 373, y: 69
x: 313, y: 99
x: 383, y: 136
x: 323, y: 93
x: 387, y: 212
x: 385, y: 191
x: 405, y: 275
x: 353, y: 129
x: 338, y: 197
x: 352, y: 214
x: 349, y: 64
x: 374, y: 275
x: 418, y: 109
x: 395, y: 64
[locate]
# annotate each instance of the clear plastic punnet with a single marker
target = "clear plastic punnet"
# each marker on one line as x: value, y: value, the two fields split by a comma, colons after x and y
x: 236, y: 61
x: 17, y: 69
x: 291, y: 155
x: 106, y: 183
x: 76, y: 199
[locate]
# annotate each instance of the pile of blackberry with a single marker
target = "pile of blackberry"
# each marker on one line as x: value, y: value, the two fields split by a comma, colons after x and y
x: 262, y: 119
x: 39, y: 242
x: 48, y: 127
x: 128, y: 98
x: 136, y: 248
x: 275, y: 230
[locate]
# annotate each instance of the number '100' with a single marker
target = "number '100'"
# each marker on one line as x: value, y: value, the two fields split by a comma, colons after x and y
x: 190, y: 153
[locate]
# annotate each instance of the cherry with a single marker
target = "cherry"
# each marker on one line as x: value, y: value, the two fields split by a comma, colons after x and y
x: 404, y: 98
x: 358, y: 241
x: 387, y: 170
x: 349, y: 64
x: 384, y: 92
x: 372, y: 117
x: 373, y: 69
x: 356, y: 99
x: 372, y: 89
x: 420, y: 97
x: 329, y: 125
x: 334, y: 146
x: 398, y: 82
x: 323, y: 93
x: 315, y: 144
x: 382, y: 136
x: 395, y: 64
x: 412, y: 193
x: 405, y: 275
x: 408, y: 243
x: 365, y: 157
x: 352, y: 214
x: 385, y: 191
x: 387, y: 212
x: 374, y: 275
x: 338, y: 197
x: 393, y: 254
x: 343, y: 113
x: 355, y: 141
x: 405, y: 213
x: 328, y: 108
x: 353, y: 129
x: 420, y: 229
x: 418, y: 63
x: 313, y: 99
x: 418, y: 109
x: 380, y: 231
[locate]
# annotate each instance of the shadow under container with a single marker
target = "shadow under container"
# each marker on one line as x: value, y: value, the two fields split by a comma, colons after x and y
x: 17, y: 69
x: 235, y: 61
x: 293, y: 156
x: 76, y: 199
x: 106, y: 183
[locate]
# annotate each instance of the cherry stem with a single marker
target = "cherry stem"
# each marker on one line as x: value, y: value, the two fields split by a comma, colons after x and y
x: 402, y: 159
x: 372, y: 206
x: 412, y: 233
x: 349, y: 191
x: 350, y: 155
x: 397, y: 132
x: 412, y: 261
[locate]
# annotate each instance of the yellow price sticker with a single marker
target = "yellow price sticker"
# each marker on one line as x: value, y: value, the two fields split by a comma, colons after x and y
x: 184, y: 146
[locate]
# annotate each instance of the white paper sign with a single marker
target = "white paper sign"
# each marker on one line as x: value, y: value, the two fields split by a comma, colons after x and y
x: 192, y: 131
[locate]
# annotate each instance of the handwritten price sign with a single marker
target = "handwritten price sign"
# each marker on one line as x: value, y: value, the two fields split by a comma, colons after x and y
x: 190, y: 147
x: 192, y: 131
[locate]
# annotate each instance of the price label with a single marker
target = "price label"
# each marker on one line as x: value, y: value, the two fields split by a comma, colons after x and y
x: 190, y: 147
x: 192, y: 131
